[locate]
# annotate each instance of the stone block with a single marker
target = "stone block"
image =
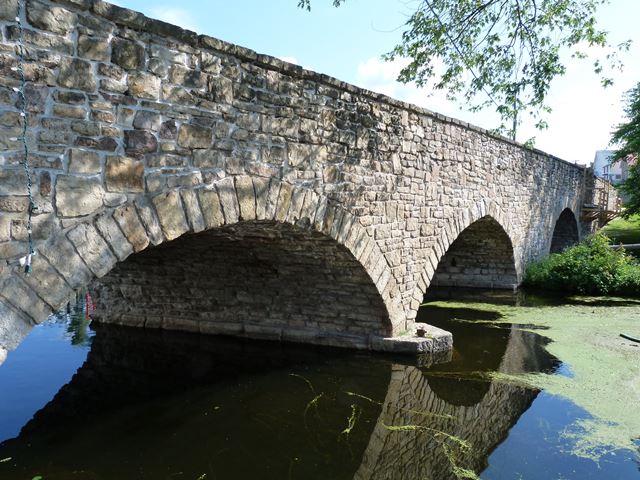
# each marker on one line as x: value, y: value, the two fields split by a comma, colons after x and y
x: 93, y: 48
x: 77, y: 74
x: 169, y: 130
x: 14, y: 327
x: 318, y: 219
x: 177, y: 94
x: 131, y: 226
x: 186, y: 77
x: 8, y: 10
x: 228, y: 199
x: 208, y: 159
x: 127, y: 54
x: 5, y: 228
x: 24, y: 299
x: 211, y: 207
x: 272, y: 198
x: 49, y: 17
x: 106, y: 144
x: 195, y: 136
x: 150, y: 220
x: 261, y: 189
x: 307, y: 156
x: 77, y: 195
x: 147, y: 120
x: 171, y: 214
x: 92, y: 248
x: 83, y: 161
x: 297, y: 201
x: 192, y: 207
x: 246, y: 197
x: 124, y: 174
x: 284, y: 201
x: 48, y: 283
x: 221, y: 88
x: 13, y: 182
x: 144, y: 85
x: 42, y: 225
x: 112, y: 233
x: 139, y: 142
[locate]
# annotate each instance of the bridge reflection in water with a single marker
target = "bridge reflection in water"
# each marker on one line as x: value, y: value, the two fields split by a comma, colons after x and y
x: 153, y: 404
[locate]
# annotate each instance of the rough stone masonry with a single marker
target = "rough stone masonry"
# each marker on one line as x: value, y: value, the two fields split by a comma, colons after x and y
x: 195, y: 184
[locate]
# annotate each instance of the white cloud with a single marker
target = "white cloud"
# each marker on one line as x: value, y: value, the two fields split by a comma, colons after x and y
x: 581, y: 122
x: 176, y: 16
x: 380, y: 76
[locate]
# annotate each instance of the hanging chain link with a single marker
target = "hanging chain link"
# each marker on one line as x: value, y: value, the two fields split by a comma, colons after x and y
x: 26, y: 260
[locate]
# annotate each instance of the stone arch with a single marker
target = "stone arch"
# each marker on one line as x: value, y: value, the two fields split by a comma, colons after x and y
x: 90, y: 250
x: 565, y: 232
x: 493, y: 217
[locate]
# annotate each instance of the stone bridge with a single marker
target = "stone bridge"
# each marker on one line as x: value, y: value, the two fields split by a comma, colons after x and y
x: 197, y: 185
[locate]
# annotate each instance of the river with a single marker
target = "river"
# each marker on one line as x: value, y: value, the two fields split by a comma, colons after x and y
x: 536, y: 388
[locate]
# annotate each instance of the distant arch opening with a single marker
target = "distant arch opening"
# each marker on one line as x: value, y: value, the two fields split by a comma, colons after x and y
x: 261, y: 279
x: 565, y: 232
x: 481, y: 256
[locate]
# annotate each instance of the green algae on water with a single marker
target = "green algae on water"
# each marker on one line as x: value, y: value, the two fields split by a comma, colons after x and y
x: 584, y: 335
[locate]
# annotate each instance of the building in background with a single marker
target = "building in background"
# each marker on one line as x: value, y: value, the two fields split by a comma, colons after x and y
x: 604, y: 166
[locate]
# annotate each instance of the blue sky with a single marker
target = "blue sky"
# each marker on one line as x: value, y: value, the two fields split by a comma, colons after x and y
x: 347, y: 43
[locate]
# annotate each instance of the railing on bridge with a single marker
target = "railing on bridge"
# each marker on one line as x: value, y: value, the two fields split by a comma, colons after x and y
x: 601, y: 200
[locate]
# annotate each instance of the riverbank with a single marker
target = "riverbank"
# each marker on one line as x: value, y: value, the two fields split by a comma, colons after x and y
x: 623, y: 230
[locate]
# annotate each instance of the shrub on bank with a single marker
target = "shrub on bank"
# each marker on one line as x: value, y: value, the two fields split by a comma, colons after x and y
x: 590, y: 267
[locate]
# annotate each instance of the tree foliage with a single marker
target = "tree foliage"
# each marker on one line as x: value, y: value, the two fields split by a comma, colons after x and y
x: 590, y: 267
x: 499, y: 53
x: 628, y: 136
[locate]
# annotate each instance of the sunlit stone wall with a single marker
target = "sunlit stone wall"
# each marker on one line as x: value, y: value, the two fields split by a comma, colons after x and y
x: 130, y: 117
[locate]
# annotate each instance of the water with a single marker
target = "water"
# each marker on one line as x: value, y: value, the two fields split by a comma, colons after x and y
x: 118, y: 403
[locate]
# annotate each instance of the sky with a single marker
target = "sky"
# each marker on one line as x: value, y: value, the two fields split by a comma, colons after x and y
x: 347, y: 43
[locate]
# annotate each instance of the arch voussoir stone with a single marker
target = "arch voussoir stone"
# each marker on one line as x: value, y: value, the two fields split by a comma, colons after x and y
x: 171, y: 214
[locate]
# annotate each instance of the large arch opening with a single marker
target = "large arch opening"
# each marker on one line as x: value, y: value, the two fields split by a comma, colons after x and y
x: 481, y: 257
x: 261, y: 279
x: 565, y: 232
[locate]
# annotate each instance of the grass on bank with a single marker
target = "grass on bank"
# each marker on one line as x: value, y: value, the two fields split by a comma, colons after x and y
x: 590, y: 267
x: 623, y: 230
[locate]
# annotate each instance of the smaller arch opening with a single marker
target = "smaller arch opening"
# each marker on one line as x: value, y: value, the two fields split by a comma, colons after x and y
x: 481, y: 257
x: 565, y: 232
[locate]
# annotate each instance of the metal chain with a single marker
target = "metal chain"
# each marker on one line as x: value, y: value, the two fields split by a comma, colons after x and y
x: 26, y: 260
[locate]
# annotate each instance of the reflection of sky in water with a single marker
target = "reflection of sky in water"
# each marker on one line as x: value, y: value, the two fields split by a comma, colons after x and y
x: 35, y: 371
x: 565, y: 370
x: 536, y: 448
x: 259, y: 412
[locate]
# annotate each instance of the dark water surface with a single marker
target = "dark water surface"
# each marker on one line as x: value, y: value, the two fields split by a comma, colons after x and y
x: 121, y: 403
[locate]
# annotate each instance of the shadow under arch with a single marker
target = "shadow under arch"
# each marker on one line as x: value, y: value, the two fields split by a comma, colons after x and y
x: 481, y: 256
x: 92, y: 249
x: 493, y: 219
x: 565, y: 232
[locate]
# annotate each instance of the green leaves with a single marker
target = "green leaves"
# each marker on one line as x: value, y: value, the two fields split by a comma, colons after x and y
x: 628, y: 136
x: 591, y: 267
x: 500, y: 54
